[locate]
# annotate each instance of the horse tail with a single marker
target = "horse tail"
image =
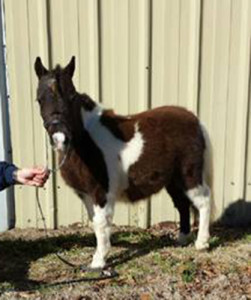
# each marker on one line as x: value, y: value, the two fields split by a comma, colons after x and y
x: 208, y: 168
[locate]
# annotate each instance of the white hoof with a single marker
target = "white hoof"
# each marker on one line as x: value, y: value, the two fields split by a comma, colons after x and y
x: 201, y: 245
x: 184, y: 239
x: 98, y: 262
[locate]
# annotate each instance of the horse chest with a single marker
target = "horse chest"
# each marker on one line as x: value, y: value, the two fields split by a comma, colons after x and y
x: 84, y: 177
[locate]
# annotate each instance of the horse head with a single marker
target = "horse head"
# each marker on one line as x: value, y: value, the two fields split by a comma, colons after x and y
x: 54, y: 94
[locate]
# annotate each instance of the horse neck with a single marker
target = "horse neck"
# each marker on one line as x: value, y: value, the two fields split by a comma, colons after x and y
x: 82, y: 108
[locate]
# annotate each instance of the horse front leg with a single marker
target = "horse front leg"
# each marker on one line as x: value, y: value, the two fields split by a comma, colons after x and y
x: 102, y: 222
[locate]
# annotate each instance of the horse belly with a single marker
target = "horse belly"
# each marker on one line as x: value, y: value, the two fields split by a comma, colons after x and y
x: 143, y: 184
x: 153, y: 169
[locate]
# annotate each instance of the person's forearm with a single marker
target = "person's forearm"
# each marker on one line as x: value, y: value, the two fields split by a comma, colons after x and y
x: 7, y: 177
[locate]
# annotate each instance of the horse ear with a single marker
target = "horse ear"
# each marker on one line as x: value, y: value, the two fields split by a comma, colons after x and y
x: 70, y: 68
x: 39, y: 68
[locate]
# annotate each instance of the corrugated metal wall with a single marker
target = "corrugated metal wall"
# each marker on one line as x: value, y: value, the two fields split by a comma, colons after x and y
x: 6, y: 196
x: 133, y: 55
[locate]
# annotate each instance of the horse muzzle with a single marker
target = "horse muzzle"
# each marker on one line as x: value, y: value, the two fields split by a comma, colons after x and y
x: 60, y: 141
x: 59, y: 136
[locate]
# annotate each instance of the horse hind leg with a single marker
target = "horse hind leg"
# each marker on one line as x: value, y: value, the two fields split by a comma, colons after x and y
x: 181, y: 202
x: 200, y: 197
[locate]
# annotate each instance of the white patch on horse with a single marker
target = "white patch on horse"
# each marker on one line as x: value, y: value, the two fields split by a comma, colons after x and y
x: 58, y: 140
x: 132, y: 150
x: 118, y: 155
x: 208, y: 168
x: 200, y: 197
x: 91, y: 118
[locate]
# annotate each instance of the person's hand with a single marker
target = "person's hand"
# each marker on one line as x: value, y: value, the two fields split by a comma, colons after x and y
x: 36, y: 176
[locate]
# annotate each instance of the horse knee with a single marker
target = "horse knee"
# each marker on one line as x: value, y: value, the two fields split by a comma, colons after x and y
x: 200, y: 197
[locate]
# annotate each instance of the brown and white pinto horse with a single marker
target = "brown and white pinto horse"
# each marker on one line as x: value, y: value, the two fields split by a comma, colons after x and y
x: 109, y: 156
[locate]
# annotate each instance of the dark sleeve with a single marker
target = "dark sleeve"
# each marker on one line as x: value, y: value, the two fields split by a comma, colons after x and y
x: 6, y: 174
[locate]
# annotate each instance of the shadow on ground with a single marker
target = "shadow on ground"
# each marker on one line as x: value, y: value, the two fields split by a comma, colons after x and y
x: 16, y: 255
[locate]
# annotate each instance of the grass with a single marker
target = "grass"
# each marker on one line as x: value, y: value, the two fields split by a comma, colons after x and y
x: 247, y: 238
x: 188, y: 272
x: 214, y: 242
x: 145, y: 260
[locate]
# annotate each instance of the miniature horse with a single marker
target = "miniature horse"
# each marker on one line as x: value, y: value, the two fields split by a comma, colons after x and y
x: 108, y: 156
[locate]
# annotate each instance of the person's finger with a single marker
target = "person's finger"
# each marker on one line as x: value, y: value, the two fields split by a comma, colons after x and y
x: 39, y: 171
x: 31, y: 183
x: 35, y: 178
x: 37, y: 184
x: 41, y: 178
x: 38, y: 181
x: 44, y: 174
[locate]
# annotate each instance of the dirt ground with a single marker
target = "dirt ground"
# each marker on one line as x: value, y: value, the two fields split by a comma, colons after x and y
x: 149, y: 263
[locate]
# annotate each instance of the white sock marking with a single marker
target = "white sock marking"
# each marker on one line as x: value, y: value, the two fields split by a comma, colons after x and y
x: 102, y: 222
x: 200, y: 197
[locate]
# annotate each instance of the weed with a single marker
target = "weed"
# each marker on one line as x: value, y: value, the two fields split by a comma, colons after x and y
x: 188, y: 271
x: 214, y: 242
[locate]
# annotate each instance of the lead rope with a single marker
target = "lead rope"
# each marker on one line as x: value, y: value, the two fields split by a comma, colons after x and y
x: 54, y: 170
x: 63, y: 160
x: 46, y: 230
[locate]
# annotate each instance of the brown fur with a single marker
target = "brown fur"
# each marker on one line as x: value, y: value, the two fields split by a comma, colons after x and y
x: 173, y: 150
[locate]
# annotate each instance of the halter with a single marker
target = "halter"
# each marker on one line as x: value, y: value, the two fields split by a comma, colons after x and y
x: 54, y: 170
